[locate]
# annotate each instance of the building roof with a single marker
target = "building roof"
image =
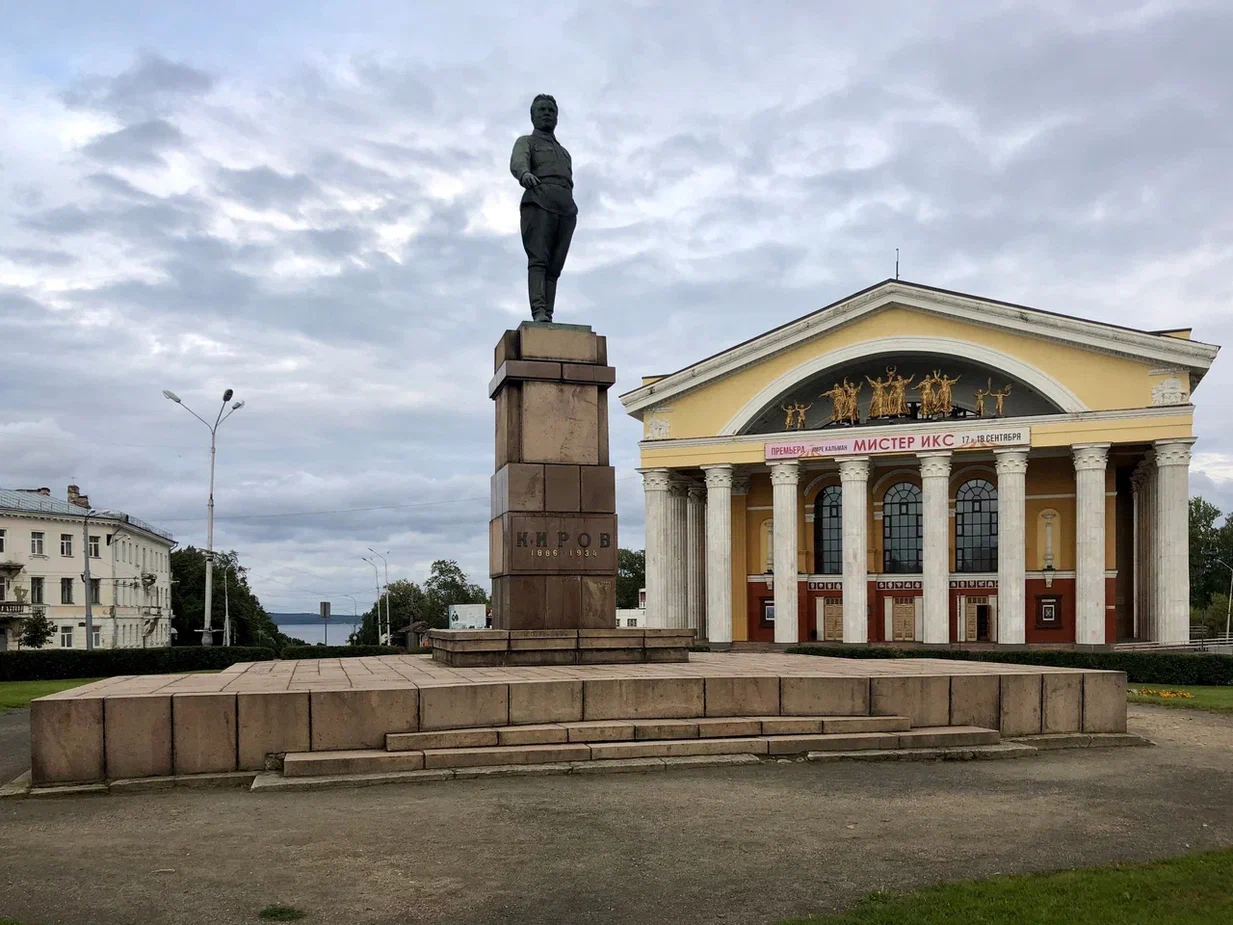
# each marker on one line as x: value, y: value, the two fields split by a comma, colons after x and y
x: 31, y: 502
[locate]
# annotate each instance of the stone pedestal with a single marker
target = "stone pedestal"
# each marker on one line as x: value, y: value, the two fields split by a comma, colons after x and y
x: 553, y: 527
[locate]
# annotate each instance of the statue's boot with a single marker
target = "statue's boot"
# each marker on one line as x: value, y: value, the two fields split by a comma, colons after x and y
x: 550, y: 296
x: 539, y: 300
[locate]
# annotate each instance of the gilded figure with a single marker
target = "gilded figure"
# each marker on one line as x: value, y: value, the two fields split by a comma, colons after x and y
x: 979, y: 395
x: 839, y: 402
x: 852, y: 393
x: 795, y: 415
x: 879, y: 402
x: 928, y: 397
x: 897, y: 404
x: 944, y: 384
x: 1001, y: 396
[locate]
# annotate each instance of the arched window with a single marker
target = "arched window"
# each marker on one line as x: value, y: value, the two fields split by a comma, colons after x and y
x: 828, y: 531
x: 901, y: 529
x: 976, y: 527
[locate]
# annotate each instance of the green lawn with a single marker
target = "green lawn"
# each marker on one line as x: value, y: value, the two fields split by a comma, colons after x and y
x: 1193, y: 890
x: 1211, y: 699
x: 19, y: 694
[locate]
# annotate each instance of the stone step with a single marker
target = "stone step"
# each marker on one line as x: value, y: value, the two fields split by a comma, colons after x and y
x: 532, y: 752
x: 643, y: 730
x: 359, y: 761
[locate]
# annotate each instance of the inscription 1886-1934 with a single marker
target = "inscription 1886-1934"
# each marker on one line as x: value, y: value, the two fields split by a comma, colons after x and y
x: 562, y: 543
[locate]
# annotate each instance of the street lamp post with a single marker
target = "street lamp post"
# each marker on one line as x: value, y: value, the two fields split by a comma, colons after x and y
x: 387, y: 590
x: 1228, y: 611
x: 226, y: 605
x: 376, y: 577
x: 207, y: 632
x: 355, y: 615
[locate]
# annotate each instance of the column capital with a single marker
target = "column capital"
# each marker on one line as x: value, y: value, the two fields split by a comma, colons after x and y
x: 1011, y: 462
x: 696, y: 492
x: 740, y: 484
x: 1173, y: 452
x: 1090, y: 455
x: 655, y: 479
x: 854, y: 469
x: 786, y: 473
x: 719, y: 476
x: 934, y: 465
x: 677, y: 487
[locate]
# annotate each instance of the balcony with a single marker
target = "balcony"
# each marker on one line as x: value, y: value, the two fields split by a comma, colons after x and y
x: 19, y: 608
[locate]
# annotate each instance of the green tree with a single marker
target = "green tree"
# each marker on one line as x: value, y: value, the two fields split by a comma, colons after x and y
x: 631, y: 577
x: 406, y: 600
x: 1214, y: 617
x: 1209, y: 544
x: 37, y: 630
x: 251, y: 625
x: 447, y: 584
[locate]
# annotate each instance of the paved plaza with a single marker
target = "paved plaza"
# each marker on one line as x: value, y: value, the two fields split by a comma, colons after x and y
x: 743, y: 845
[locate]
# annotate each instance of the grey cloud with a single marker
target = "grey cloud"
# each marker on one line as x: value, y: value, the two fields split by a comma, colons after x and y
x: 38, y: 256
x: 153, y: 85
x: 263, y: 187
x: 136, y: 145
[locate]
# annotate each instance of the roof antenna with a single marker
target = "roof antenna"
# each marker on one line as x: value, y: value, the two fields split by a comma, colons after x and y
x: 896, y: 263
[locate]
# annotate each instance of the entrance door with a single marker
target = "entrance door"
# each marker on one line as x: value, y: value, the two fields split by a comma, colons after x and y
x: 903, y: 619
x: 830, y: 611
x: 976, y: 619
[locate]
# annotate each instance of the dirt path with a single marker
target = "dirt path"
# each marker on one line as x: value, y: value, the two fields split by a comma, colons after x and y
x: 747, y: 845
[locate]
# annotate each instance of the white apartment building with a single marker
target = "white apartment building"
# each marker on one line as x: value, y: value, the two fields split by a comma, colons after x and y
x: 43, y: 547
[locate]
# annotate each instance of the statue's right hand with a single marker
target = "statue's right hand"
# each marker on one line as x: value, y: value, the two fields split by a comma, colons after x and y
x: 529, y: 180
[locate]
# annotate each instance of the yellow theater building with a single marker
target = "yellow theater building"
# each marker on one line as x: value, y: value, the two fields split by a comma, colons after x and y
x: 911, y: 464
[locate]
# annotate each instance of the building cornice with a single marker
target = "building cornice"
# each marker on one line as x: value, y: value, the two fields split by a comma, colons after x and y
x: 958, y: 427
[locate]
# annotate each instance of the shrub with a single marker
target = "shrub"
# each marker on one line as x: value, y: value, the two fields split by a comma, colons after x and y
x: 1140, y: 667
x: 338, y: 651
x: 54, y: 664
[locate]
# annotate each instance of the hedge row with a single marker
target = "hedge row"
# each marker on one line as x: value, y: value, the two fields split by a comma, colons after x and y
x: 337, y: 651
x: 53, y: 664
x: 1140, y: 667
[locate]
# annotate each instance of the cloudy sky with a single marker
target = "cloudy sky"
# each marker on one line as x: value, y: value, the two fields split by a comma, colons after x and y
x: 313, y: 207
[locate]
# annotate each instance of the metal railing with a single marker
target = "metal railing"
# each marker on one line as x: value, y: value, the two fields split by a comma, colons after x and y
x: 1197, y: 645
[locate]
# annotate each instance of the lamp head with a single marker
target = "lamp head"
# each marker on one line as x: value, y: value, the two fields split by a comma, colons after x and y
x: 227, y: 396
x: 237, y: 406
x: 167, y: 393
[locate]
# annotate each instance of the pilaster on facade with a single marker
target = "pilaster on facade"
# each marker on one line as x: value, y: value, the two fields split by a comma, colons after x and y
x: 1172, y: 537
x: 935, y: 552
x: 719, y: 479
x: 785, y: 482
x: 1090, y: 461
x: 1012, y: 549
x: 854, y: 479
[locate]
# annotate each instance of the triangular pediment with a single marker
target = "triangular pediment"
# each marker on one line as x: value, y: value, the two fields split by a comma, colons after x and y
x: 1036, y: 348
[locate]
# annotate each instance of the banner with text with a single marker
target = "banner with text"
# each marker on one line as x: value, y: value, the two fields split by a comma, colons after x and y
x: 862, y: 445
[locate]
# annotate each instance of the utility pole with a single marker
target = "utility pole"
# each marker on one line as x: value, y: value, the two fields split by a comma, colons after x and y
x: 85, y: 548
x: 226, y: 607
x: 376, y: 577
x: 207, y: 632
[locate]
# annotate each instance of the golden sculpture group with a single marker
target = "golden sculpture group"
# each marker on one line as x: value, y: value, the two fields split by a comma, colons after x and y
x: 889, y: 399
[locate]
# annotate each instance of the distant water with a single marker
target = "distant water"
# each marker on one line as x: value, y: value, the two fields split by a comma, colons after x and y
x: 313, y: 633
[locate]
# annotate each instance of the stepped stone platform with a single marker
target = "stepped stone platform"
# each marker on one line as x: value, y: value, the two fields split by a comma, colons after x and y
x: 412, y: 715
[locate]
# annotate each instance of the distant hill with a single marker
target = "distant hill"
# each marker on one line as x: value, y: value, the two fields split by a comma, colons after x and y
x: 283, y: 619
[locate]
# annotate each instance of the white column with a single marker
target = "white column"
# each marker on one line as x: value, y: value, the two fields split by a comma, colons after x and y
x: 1145, y: 510
x: 854, y: 474
x: 719, y: 553
x: 935, y: 565
x: 1173, y: 538
x: 655, y: 487
x: 677, y: 554
x: 785, y: 477
x: 1090, y: 460
x: 695, y: 567
x: 1012, y: 546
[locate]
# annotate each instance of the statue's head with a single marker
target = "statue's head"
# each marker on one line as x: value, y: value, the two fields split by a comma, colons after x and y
x: 544, y: 112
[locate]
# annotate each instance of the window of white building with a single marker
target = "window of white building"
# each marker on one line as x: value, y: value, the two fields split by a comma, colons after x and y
x: 1, y: 541
x: 66, y: 637
x: 94, y: 545
x: 96, y: 591
x: 66, y: 590
x: 36, y: 590
x: 95, y: 634
x: 66, y: 544
x: 36, y: 544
